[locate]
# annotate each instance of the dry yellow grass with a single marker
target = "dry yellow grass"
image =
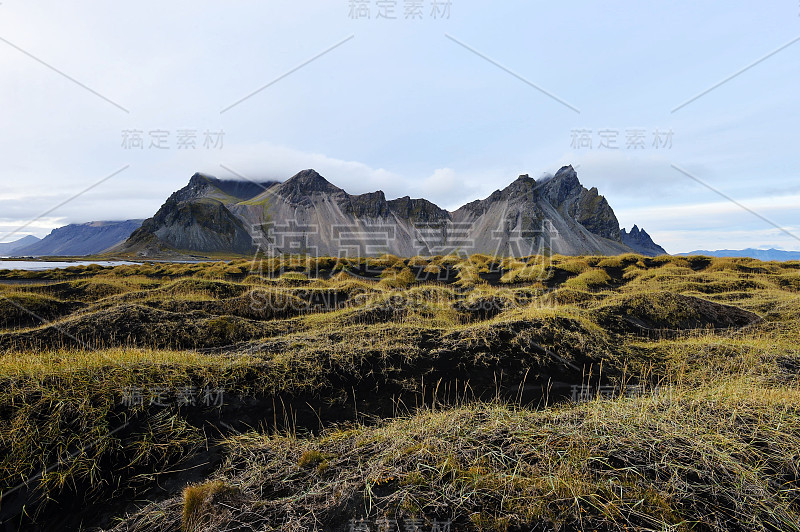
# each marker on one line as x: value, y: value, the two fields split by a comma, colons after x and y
x: 716, y: 449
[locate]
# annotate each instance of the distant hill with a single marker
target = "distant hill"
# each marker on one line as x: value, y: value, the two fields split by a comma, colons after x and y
x: 81, y: 239
x: 10, y: 248
x: 760, y: 254
x: 308, y: 214
x: 640, y: 242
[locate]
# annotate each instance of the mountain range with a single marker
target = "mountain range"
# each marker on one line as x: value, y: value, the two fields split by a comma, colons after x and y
x: 78, y: 239
x: 10, y: 248
x: 308, y: 214
x: 760, y: 254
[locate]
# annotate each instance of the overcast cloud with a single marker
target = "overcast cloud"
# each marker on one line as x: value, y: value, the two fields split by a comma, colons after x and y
x: 400, y: 106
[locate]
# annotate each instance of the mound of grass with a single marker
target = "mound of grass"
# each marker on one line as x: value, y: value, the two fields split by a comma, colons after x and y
x: 393, y: 278
x: 484, y: 307
x: 293, y: 278
x: 683, y: 279
x: 665, y: 310
x: 88, y: 290
x: 737, y: 264
x: 258, y: 304
x: 589, y: 280
x: 136, y: 326
x: 574, y: 266
x: 527, y: 273
x: 669, y: 260
x: 20, y: 309
x: 384, y: 262
x: 432, y: 293
x: 204, y: 505
x: 212, y: 289
x: 545, y: 343
x: 789, y: 281
x: 571, y: 296
x: 380, y: 310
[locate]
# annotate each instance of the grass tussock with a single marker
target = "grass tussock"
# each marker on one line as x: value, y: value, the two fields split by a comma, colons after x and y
x: 203, y: 504
x: 589, y: 280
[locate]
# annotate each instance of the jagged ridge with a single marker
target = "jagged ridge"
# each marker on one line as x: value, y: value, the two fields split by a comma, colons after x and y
x: 640, y: 242
x: 309, y: 214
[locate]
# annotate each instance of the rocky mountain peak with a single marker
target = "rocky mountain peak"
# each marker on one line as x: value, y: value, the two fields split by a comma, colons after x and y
x: 417, y: 210
x: 566, y: 178
x: 566, y: 171
x: 562, y: 186
x: 523, y: 183
x: 202, y: 185
x: 308, y: 181
x: 641, y: 242
x: 302, y: 186
x: 198, y: 185
x: 370, y: 204
x: 198, y: 180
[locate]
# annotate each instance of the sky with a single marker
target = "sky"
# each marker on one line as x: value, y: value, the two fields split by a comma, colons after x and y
x: 683, y: 114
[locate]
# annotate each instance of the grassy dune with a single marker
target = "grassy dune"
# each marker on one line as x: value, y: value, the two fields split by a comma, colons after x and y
x: 303, y: 393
